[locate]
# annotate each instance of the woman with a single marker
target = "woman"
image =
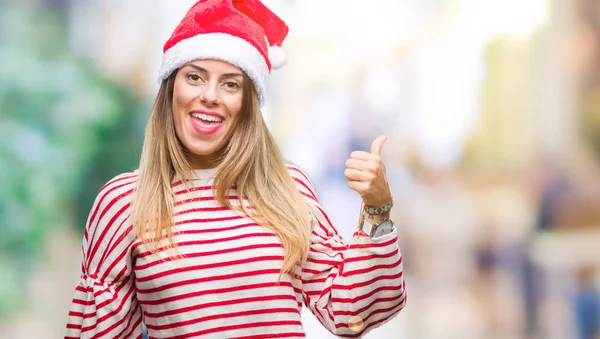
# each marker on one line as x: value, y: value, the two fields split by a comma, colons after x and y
x: 215, y: 235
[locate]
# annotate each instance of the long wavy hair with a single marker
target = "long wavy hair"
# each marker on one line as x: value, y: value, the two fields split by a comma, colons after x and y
x: 249, y: 159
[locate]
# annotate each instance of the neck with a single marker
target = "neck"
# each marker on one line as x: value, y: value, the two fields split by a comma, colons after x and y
x: 200, y: 162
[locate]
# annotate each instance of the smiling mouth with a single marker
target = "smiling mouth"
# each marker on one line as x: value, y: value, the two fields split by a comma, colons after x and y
x: 206, y: 123
x: 207, y: 118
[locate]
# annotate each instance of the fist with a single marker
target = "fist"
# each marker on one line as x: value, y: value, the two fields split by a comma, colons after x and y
x: 366, y: 175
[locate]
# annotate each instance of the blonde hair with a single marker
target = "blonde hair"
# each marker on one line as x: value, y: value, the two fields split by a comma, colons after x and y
x: 250, y: 160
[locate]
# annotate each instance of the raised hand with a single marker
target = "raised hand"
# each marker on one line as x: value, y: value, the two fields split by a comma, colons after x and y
x: 366, y: 175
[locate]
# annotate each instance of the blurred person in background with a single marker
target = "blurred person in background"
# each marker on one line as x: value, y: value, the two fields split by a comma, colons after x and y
x: 586, y: 305
x: 215, y: 235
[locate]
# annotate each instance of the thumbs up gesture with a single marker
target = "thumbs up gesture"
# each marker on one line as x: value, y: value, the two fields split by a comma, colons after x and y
x: 366, y: 175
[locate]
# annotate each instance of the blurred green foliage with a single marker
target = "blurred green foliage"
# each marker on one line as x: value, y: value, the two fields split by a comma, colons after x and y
x: 65, y: 129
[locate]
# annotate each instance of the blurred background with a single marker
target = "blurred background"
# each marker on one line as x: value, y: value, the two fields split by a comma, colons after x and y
x: 492, y: 108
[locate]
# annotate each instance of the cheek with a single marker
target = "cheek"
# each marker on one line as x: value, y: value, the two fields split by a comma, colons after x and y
x: 181, y: 99
x: 176, y: 99
x: 182, y: 96
x: 234, y: 105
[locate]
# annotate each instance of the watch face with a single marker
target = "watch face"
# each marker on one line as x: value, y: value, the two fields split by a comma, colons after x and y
x: 386, y: 227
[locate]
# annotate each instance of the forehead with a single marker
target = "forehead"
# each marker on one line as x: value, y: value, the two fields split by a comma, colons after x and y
x: 214, y: 66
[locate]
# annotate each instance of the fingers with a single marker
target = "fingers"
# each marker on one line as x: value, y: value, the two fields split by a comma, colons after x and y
x: 366, y: 174
x: 361, y: 165
x: 359, y: 186
x: 364, y: 156
x: 377, y: 145
x: 357, y: 175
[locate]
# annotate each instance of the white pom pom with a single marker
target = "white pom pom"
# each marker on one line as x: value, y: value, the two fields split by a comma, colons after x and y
x: 277, y: 56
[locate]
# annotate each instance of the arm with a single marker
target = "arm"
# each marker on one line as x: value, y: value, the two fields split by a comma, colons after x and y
x: 104, y: 303
x: 344, y: 285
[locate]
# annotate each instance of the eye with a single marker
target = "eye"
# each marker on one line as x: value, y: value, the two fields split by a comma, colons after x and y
x: 193, y: 77
x: 232, y: 85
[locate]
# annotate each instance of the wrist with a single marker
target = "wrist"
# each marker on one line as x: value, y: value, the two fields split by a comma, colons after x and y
x: 375, y: 221
x: 376, y: 229
x: 375, y: 218
x: 379, y: 212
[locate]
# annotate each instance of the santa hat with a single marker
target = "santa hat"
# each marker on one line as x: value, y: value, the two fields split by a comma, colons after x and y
x: 244, y: 33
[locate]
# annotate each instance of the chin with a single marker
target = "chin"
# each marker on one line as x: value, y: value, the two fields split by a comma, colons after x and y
x: 202, y: 149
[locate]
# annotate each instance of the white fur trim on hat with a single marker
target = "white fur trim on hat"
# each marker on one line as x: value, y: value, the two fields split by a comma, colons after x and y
x: 218, y: 46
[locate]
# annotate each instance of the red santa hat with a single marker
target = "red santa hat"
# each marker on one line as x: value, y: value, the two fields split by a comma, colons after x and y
x: 244, y: 33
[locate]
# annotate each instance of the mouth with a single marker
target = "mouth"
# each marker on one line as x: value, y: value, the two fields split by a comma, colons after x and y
x: 206, y: 122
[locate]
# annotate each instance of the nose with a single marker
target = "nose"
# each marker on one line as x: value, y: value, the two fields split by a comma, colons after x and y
x: 209, y: 95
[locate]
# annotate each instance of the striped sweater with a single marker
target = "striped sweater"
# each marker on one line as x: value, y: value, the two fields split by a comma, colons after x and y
x: 225, y: 286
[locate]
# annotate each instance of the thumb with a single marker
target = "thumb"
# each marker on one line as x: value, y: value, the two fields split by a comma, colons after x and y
x: 378, y: 144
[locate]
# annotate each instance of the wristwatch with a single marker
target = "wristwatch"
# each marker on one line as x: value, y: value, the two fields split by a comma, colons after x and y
x: 382, y: 227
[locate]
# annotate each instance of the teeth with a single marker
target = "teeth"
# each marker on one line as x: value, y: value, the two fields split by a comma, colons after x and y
x: 206, y: 117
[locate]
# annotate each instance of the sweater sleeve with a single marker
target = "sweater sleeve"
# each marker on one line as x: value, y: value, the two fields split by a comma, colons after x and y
x: 350, y: 288
x: 104, y: 303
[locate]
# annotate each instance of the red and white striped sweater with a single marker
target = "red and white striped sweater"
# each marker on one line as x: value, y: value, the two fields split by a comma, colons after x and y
x: 226, y: 284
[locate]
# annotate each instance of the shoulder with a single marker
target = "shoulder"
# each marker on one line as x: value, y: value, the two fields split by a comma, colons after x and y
x: 302, y: 180
x: 114, y: 196
x: 297, y: 172
x: 107, y: 232
x: 120, y: 185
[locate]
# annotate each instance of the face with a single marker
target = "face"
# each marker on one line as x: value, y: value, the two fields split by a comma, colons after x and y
x: 207, y: 97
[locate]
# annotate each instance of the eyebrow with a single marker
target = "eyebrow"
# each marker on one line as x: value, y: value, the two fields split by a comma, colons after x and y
x: 224, y: 75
